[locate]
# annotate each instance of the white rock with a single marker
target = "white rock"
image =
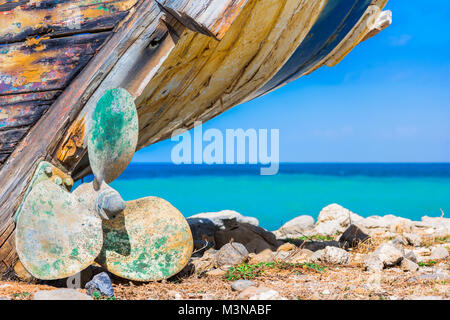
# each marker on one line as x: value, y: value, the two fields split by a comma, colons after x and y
x: 218, y: 217
x: 329, y: 228
x: 391, y: 223
x: 439, y: 253
x: 61, y: 294
x: 335, y: 219
x: 411, y: 256
x: 241, y: 285
x: 375, y: 222
x: 436, y: 227
x: 386, y: 255
x: 267, y: 295
x: 296, y: 228
x: 408, y: 265
x: 331, y: 255
x: 389, y: 254
x: 281, y: 255
x: 231, y: 254
x: 301, y: 256
x: 413, y: 239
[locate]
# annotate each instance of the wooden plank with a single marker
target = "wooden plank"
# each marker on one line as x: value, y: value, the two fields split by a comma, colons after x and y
x: 11, y: 136
x: 209, y: 17
x: 47, y: 64
x: 3, y: 157
x: 23, y: 19
x: 6, y: 100
x: 23, y: 114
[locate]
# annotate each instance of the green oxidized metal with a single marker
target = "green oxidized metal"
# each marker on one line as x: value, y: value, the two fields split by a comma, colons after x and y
x: 149, y: 241
x: 113, y: 134
x: 56, y: 236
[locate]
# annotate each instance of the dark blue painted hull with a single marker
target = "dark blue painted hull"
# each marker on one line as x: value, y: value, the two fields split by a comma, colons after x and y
x: 335, y: 22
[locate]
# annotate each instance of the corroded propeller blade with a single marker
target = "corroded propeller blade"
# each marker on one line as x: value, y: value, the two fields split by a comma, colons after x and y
x: 56, y: 235
x: 149, y: 241
x: 113, y: 135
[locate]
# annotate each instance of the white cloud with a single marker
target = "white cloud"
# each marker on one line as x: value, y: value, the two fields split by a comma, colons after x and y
x: 400, y: 41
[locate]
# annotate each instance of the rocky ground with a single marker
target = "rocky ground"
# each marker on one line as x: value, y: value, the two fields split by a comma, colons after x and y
x: 339, y: 256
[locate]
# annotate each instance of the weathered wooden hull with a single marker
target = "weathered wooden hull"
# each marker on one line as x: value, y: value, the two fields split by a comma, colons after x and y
x: 182, y: 62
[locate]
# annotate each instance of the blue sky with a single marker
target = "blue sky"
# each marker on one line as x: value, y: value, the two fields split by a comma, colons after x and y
x: 387, y: 101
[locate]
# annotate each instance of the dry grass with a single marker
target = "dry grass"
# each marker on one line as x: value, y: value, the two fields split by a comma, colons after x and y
x: 293, y: 282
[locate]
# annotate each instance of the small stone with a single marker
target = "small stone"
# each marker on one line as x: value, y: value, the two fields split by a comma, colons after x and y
x: 267, y: 295
x: 102, y: 284
x: 335, y: 219
x: 216, y: 272
x: 264, y: 257
x: 296, y: 227
x: 61, y: 294
x: 282, y: 255
x: 287, y: 247
x: 231, y: 254
x: 5, y: 298
x: 206, y: 262
x: 411, y: 256
x: 389, y: 254
x: 301, y: 256
x: 251, y: 291
x: 413, y: 239
x: 22, y: 273
x: 241, y: 285
x: 326, y: 292
x: 332, y: 255
x: 408, y: 265
x: 373, y: 263
x: 399, y: 242
x: 439, y: 253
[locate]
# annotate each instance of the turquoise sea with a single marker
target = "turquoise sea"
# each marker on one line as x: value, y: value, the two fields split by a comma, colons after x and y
x: 408, y: 190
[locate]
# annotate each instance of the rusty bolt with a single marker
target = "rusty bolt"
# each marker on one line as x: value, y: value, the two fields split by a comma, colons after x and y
x: 58, y: 181
x: 48, y: 171
x: 68, y: 182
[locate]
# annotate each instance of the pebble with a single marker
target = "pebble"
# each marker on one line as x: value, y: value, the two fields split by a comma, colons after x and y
x: 216, y: 272
x: 287, y: 247
x: 408, y: 265
x: 439, y: 253
x: 102, y: 284
x: 241, y: 285
x: 267, y: 295
x: 231, y: 254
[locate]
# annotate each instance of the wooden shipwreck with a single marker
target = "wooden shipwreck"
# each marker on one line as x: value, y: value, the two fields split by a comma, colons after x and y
x: 180, y: 61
